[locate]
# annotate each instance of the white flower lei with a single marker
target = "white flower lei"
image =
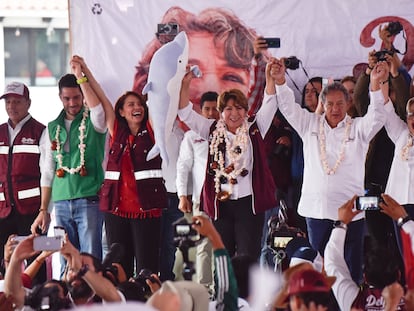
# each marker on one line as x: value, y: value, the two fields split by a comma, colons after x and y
x: 406, y: 149
x: 82, y: 147
x: 322, y: 147
x: 235, y: 168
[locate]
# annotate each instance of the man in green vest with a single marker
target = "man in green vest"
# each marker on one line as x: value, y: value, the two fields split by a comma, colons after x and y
x: 77, y: 138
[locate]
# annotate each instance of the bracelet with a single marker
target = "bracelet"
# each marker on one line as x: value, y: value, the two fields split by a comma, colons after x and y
x: 384, y: 82
x: 370, y: 68
x: 82, y: 80
x: 340, y: 224
x: 402, y: 220
x: 42, y: 209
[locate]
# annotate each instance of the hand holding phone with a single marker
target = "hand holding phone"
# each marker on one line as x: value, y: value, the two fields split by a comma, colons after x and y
x: 367, y: 203
x: 272, y: 42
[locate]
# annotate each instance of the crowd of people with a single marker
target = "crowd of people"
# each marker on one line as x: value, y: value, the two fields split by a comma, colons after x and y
x: 233, y: 169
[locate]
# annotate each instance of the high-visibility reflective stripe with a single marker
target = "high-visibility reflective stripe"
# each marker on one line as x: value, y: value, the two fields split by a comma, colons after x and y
x: 148, y: 174
x: 29, y: 193
x: 2, y: 198
x: 112, y: 175
x: 4, y: 149
x: 26, y: 149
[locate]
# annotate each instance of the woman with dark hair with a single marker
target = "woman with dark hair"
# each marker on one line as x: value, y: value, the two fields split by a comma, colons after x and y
x: 133, y: 194
x: 238, y: 186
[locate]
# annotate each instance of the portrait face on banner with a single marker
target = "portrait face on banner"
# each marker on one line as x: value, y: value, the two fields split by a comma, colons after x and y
x: 219, y: 43
x: 118, y: 38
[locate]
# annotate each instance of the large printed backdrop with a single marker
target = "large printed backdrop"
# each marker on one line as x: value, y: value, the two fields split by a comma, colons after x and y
x: 330, y: 37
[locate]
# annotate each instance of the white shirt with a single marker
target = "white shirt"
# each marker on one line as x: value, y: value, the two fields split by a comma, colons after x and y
x: 201, y: 126
x: 169, y: 172
x: 344, y: 288
x: 401, y: 179
x: 323, y: 194
x: 191, y: 162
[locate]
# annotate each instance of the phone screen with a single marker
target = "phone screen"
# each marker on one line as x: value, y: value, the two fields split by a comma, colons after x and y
x: 281, y: 241
x: 272, y: 42
x: 368, y: 203
x: 59, y: 231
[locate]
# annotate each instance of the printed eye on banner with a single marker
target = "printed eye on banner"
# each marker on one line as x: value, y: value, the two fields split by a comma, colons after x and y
x: 97, y: 9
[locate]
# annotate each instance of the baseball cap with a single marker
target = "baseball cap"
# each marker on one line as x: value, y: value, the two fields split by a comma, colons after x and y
x: 299, y: 250
x: 309, y: 280
x: 16, y: 88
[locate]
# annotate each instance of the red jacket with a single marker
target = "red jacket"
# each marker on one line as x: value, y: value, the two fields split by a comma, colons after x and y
x: 149, y: 182
x: 20, y: 170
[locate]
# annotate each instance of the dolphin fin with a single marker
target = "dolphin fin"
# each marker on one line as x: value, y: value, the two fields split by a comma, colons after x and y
x: 147, y: 88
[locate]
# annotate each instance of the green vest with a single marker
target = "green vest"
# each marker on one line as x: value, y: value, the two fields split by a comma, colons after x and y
x: 75, y: 186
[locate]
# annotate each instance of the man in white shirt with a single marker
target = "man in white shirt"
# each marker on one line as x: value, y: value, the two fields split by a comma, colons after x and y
x: 335, y: 146
x: 191, y: 168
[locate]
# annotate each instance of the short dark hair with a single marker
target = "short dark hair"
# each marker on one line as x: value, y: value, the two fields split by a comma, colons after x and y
x: 68, y: 80
x: 96, y: 262
x: 336, y: 86
x: 208, y: 97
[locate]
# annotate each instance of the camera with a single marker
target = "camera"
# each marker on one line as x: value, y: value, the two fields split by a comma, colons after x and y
x: 380, y: 55
x: 394, y: 28
x: 183, y: 229
x: 292, y: 62
x: 167, y: 29
x: 368, y: 203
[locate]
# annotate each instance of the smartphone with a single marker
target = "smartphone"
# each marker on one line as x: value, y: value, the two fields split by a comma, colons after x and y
x: 368, y: 203
x: 59, y: 231
x: 47, y: 243
x: 272, y: 42
x: 281, y: 241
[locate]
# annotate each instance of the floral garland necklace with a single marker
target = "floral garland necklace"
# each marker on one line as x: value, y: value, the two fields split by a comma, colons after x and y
x: 406, y: 149
x: 220, y: 148
x: 56, y: 145
x: 322, y: 147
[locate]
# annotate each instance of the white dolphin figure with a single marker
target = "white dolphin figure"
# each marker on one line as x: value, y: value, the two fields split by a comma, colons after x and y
x: 166, y: 71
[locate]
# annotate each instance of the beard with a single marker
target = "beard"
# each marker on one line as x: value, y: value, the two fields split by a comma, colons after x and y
x: 80, y: 290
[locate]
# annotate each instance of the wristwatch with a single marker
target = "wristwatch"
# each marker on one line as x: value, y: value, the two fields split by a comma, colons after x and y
x: 339, y: 224
x: 402, y: 220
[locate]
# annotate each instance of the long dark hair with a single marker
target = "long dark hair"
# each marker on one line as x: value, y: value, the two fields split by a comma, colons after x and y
x: 121, y: 102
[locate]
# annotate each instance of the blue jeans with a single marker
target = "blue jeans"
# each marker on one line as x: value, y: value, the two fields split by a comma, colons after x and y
x: 167, y: 251
x: 319, y: 231
x: 83, y: 221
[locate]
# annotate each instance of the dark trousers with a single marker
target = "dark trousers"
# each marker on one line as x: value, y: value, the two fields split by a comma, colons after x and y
x: 168, y: 248
x: 319, y: 231
x: 140, y: 239
x: 18, y: 224
x: 240, y: 229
